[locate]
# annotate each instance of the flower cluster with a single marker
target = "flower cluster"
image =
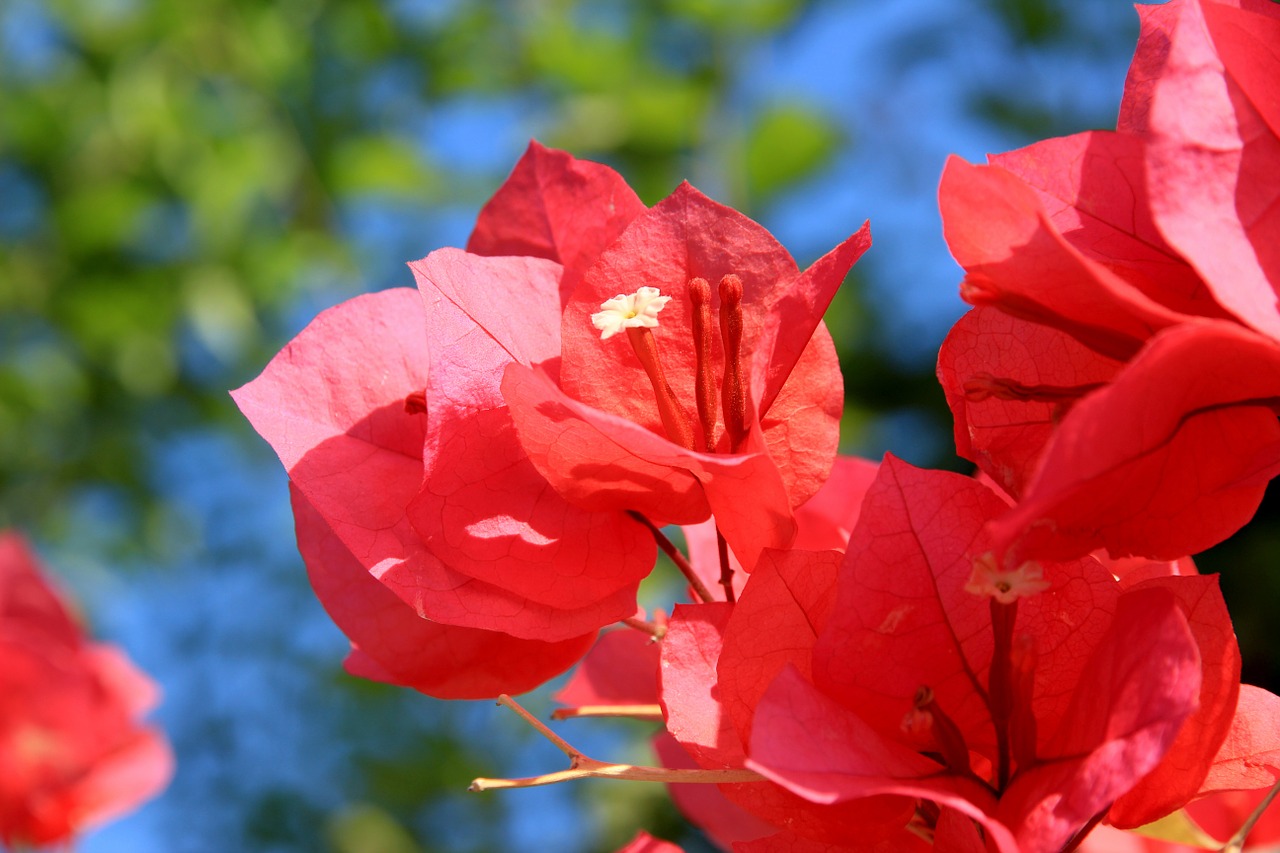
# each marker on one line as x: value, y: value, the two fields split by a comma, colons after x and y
x: 875, y: 657
x: 73, y: 751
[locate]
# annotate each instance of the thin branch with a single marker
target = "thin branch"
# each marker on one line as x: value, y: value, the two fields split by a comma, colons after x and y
x: 726, y: 570
x: 635, y: 712
x: 582, y: 766
x: 1236, y: 843
x: 589, y: 768
x: 655, y: 629
x: 539, y: 726
x: 682, y: 563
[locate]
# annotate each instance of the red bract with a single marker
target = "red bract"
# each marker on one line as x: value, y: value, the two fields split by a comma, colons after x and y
x: 1028, y: 700
x: 1245, y: 767
x: 1209, y: 823
x: 698, y: 706
x: 621, y: 669
x: 632, y: 422
x: 1121, y: 374
x: 333, y: 406
x: 73, y: 751
x: 391, y: 643
x: 429, y: 443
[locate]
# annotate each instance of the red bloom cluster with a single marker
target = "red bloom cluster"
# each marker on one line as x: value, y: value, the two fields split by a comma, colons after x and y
x: 893, y: 659
x: 1121, y: 371
x: 73, y: 751
x: 478, y: 468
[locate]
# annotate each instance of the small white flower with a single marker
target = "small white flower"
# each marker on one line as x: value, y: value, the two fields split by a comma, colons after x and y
x: 1005, y: 585
x: 640, y: 309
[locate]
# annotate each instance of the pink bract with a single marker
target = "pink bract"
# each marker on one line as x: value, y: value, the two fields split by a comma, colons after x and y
x: 479, y: 454
x: 590, y: 424
x: 73, y: 747
x: 1121, y: 372
x: 1117, y: 694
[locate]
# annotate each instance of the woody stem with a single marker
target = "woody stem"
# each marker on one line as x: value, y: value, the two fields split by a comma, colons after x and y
x: 634, y: 712
x: 653, y: 629
x: 673, y: 553
x: 726, y: 570
x: 582, y: 766
x: 1236, y: 843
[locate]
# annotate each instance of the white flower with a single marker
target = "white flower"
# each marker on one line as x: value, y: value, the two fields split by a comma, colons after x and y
x: 639, y: 310
x: 1005, y: 585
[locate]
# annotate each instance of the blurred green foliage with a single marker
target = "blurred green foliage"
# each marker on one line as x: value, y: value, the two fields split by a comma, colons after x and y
x: 178, y: 174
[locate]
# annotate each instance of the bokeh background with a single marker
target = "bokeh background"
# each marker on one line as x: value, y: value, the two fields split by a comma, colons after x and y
x: 184, y: 185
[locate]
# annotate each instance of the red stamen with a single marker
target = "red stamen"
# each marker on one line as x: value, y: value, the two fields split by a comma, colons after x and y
x: 705, y: 385
x: 946, y: 734
x: 416, y: 403
x: 735, y: 396
x: 674, y: 419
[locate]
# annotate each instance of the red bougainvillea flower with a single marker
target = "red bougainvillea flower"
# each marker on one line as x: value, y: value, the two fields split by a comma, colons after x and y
x: 620, y: 670
x: 73, y: 752
x: 430, y: 539
x: 690, y: 374
x: 701, y: 691
x: 1031, y: 702
x: 1121, y: 374
x: 433, y: 456
x: 333, y: 406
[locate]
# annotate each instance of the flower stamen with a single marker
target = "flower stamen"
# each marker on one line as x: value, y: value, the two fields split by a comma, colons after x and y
x: 638, y: 315
x: 734, y: 394
x: 705, y: 385
x: 928, y: 721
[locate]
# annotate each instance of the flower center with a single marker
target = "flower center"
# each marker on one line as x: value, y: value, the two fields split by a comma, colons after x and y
x: 637, y: 314
x: 1005, y: 585
x: 638, y: 310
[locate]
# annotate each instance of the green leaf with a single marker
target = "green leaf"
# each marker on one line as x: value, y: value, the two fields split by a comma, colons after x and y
x: 380, y: 164
x: 738, y: 14
x: 368, y: 829
x: 788, y: 143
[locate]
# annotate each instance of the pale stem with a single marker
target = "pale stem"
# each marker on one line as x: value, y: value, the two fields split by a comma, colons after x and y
x: 635, y: 712
x: 584, y: 767
x: 673, y: 553
x: 1236, y: 843
x: 653, y: 629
